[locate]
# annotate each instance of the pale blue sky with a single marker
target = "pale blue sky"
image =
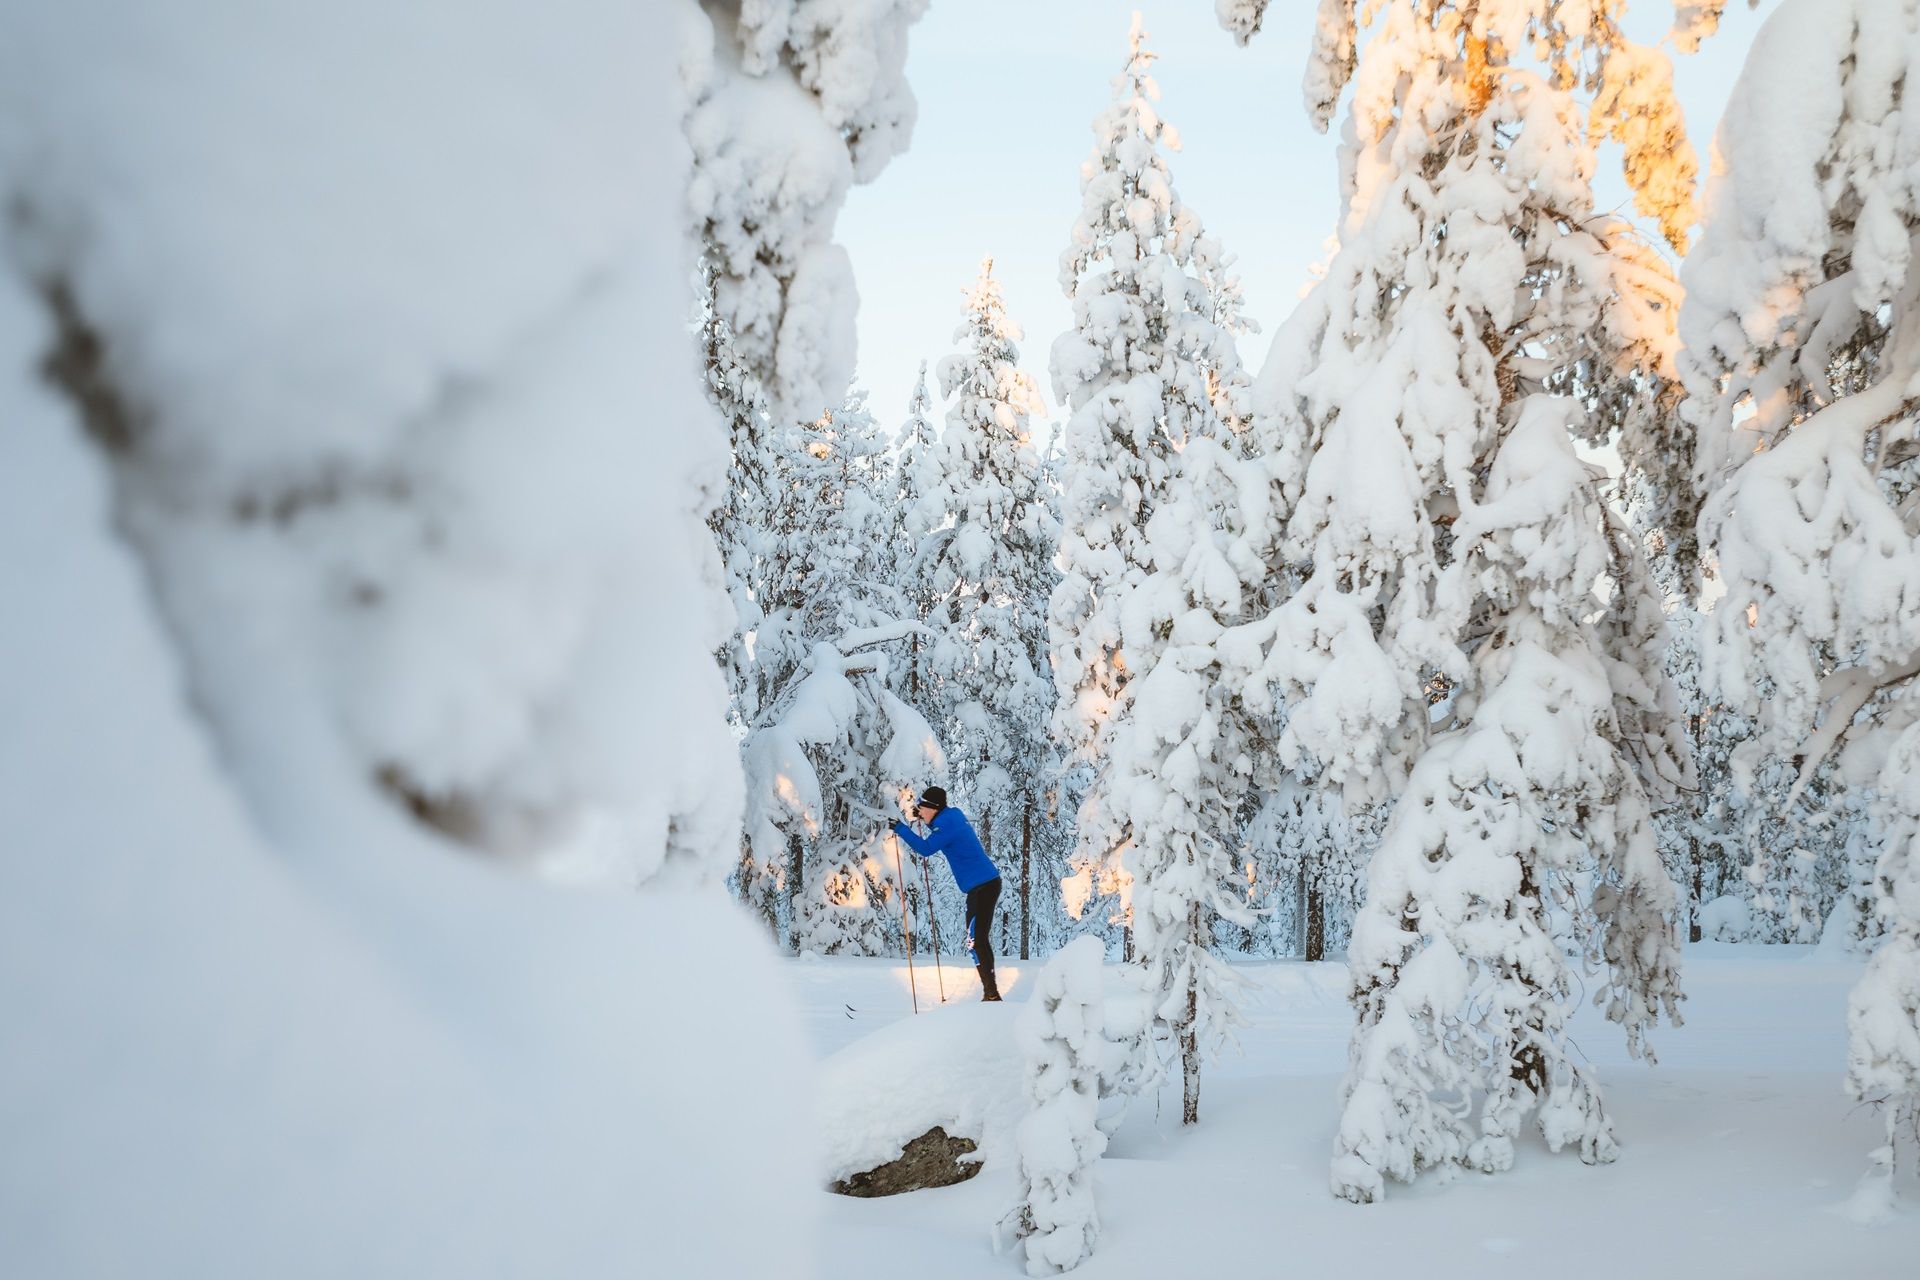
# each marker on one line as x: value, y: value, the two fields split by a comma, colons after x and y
x: 1008, y: 90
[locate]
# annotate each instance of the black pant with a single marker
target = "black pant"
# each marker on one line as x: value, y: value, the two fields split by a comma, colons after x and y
x: 981, y: 900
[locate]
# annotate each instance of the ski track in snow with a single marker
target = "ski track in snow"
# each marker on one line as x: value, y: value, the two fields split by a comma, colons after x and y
x: 1738, y: 1150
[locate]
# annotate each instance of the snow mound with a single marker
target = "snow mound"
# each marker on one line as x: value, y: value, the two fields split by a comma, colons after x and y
x: 957, y: 1067
x: 1726, y: 919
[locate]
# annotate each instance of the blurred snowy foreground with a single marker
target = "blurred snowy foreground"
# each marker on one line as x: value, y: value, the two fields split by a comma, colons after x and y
x: 1739, y: 1151
x: 361, y: 1054
x: 351, y: 554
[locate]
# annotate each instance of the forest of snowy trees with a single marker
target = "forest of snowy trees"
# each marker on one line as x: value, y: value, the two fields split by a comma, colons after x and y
x: 1538, y: 607
x: 471, y: 627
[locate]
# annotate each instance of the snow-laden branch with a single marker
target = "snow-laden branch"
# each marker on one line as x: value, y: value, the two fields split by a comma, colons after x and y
x: 860, y: 638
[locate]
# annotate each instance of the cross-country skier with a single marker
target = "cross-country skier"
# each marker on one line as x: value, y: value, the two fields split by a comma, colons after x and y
x: 951, y: 835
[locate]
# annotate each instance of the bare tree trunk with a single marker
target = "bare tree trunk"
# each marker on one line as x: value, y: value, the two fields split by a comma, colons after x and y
x: 1300, y: 910
x: 796, y: 862
x: 1190, y: 1037
x: 1026, y: 870
x: 1252, y: 897
x: 1693, y: 907
x: 1316, y: 921
x: 756, y: 890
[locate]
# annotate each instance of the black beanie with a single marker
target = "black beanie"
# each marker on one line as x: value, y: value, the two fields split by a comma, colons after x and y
x: 934, y: 798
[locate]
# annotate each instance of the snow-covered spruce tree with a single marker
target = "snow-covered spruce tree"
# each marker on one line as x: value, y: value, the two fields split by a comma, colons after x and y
x: 1132, y: 370
x: 1183, y: 747
x: 1802, y: 330
x: 823, y: 749
x: 1791, y: 852
x: 1071, y: 1062
x: 1159, y: 560
x: 988, y: 564
x: 1478, y: 319
x: 1700, y: 834
x: 790, y: 102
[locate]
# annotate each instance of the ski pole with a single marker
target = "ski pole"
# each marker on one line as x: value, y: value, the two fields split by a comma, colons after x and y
x: 900, y: 862
x: 906, y: 922
x: 938, y: 972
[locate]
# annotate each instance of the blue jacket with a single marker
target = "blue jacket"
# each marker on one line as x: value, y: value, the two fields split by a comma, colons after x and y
x: 952, y: 835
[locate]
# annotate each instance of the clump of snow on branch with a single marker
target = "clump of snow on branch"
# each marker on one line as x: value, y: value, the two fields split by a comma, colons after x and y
x: 1241, y: 17
x: 507, y: 633
x: 1695, y: 20
x: 790, y: 103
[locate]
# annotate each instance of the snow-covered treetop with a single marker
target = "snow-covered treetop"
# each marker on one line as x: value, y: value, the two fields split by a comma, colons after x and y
x: 1148, y: 283
x: 920, y: 482
x: 993, y: 563
x: 990, y: 472
x: 828, y: 527
x: 1125, y: 168
x: 1572, y: 43
x: 918, y: 428
x: 993, y: 392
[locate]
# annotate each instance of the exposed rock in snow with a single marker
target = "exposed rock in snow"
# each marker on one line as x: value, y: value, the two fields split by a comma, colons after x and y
x: 934, y: 1159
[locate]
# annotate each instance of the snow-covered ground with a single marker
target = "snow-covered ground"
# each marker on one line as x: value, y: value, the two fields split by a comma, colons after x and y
x: 1739, y: 1150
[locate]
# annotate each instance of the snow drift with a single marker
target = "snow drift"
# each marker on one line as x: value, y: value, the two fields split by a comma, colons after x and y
x: 957, y: 1067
